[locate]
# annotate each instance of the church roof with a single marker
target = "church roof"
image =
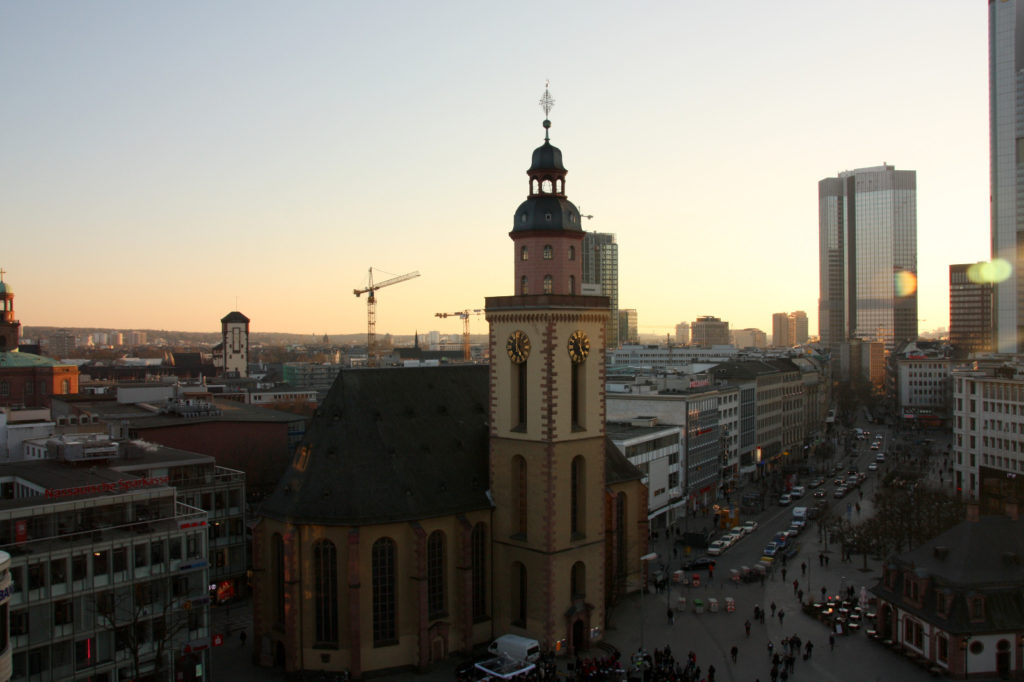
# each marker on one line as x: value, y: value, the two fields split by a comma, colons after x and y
x: 391, y: 445
x: 234, y: 316
x: 17, y: 359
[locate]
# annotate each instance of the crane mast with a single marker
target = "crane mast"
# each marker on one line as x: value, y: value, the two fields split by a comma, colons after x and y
x: 464, y: 315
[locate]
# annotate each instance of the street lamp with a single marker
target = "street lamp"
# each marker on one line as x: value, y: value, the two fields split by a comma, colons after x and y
x: 643, y: 588
x: 965, y: 643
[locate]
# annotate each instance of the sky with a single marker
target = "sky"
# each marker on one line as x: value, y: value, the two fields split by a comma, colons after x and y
x: 164, y: 163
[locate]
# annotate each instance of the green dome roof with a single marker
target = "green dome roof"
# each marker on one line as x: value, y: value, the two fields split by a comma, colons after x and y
x: 6, y: 289
x: 15, y: 359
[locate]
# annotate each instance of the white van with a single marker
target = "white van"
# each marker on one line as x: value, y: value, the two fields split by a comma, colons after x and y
x: 800, y: 514
x: 797, y: 492
x: 517, y: 648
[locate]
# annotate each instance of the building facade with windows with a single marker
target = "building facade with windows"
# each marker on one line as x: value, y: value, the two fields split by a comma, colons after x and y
x: 709, y: 331
x: 600, y: 260
x: 867, y: 250
x: 970, y: 310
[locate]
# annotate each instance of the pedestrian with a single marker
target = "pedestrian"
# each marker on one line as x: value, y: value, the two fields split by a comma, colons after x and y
x: 762, y: 616
x: 796, y: 586
x: 782, y: 614
x: 711, y: 673
x: 771, y: 648
x: 800, y: 595
x: 808, y: 648
x: 823, y: 592
x: 746, y: 626
x: 826, y: 561
x: 671, y: 616
x: 831, y: 642
x: 821, y: 559
x: 711, y: 571
x: 773, y: 609
x: 803, y: 568
x: 757, y: 612
x: 735, y: 651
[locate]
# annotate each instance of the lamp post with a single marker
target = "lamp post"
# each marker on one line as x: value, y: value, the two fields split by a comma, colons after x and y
x: 643, y: 588
x: 965, y: 644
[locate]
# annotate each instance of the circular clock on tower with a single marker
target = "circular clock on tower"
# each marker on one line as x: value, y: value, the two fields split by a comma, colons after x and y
x: 518, y: 347
x: 579, y: 346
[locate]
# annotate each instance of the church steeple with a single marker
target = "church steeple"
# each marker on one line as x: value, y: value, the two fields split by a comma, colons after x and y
x: 546, y: 229
x: 9, y: 327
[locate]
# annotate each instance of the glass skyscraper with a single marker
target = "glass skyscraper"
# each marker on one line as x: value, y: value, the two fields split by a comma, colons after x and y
x: 867, y: 255
x: 601, y: 268
x: 1006, y: 140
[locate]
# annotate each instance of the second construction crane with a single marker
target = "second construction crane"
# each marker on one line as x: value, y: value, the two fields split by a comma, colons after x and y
x: 464, y: 315
x: 371, y: 309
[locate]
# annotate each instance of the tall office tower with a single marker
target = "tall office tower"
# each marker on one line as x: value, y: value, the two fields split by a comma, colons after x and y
x: 709, y: 331
x: 683, y: 333
x: 867, y: 248
x: 61, y: 344
x: 970, y: 310
x: 798, y: 327
x: 601, y: 267
x: 628, y: 332
x: 1006, y: 150
x: 780, y: 331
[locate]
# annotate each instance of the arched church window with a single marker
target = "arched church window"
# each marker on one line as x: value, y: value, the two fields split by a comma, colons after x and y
x: 578, y: 581
x: 478, y: 549
x: 519, y: 496
x: 572, y: 253
x: 547, y: 284
x: 517, y: 598
x: 524, y: 287
x: 572, y: 285
x: 384, y: 598
x: 548, y: 252
x: 577, y: 497
x: 325, y: 591
x: 277, y: 584
x: 524, y: 253
x: 436, y: 606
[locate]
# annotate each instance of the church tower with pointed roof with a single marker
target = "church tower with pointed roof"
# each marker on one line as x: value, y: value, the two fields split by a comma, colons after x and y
x: 547, y: 351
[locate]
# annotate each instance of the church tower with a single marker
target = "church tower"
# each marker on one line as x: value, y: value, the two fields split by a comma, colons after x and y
x: 9, y: 327
x: 234, y: 330
x: 547, y: 414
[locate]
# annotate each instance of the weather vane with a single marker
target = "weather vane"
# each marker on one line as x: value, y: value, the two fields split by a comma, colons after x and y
x: 547, y: 101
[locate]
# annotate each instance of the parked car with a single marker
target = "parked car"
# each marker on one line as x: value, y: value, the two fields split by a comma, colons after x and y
x: 797, y: 492
x: 819, y: 493
x: 880, y: 457
x: 785, y: 499
x: 771, y: 549
x: 749, y: 527
x: 701, y: 563
x: 840, y: 491
x: 732, y: 537
x: 872, y: 467
x: 717, y: 547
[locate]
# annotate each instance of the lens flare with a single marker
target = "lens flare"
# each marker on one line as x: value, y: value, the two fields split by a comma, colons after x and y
x: 990, y: 272
x: 904, y: 283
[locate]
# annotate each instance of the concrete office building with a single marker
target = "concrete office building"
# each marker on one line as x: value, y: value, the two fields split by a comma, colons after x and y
x: 749, y: 338
x: 780, y: 331
x: 600, y: 261
x: 798, y: 327
x: 868, y: 256
x: 970, y: 310
x: 683, y: 333
x: 709, y: 331
x: 628, y: 330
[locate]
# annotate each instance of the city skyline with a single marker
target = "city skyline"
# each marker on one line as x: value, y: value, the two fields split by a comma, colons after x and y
x: 164, y: 162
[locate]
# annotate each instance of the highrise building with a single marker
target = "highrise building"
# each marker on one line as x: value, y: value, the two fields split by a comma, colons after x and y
x: 798, y: 327
x: 970, y: 310
x: 710, y: 331
x: 683, y: 333
x: 868, y: 256
x: 780, y: 331
x: 628, y: 331
x: 61, y: 344
x: 1006, y: 119
x: 601, y: 268
x: 749, y: 338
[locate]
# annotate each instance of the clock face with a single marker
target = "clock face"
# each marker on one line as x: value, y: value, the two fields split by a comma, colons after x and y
x: 579, y: 346
x: 518, y: 347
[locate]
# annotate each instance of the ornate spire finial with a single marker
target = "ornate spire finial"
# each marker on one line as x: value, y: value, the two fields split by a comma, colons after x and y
x: 546, y: 103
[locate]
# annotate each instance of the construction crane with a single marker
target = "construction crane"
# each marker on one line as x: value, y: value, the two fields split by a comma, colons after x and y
x: 464, y: 315
x: 371, y: 308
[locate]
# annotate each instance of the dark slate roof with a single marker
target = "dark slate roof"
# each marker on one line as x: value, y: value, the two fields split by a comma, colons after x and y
x: 234, y: 316
x: 617, y: 468
x: 547, y: 212
x: 391, y: 445
x: 181, y: 359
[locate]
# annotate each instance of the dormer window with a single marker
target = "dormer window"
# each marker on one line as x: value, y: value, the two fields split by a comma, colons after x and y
x: 976, y: 607
x: 548, y: 252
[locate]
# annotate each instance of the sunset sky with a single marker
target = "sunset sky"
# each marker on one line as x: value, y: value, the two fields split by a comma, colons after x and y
x: 161, y: 160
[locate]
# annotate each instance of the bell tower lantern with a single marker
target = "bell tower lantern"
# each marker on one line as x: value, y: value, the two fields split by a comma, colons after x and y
x: 10, y: 328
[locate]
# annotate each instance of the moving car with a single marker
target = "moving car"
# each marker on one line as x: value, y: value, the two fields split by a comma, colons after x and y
x: 880, y: 457
x: 701, y: 563
x: 840, y: 491
x: 785, y: 499
x: 717, y: 547
x: 771, y: 549
x: 872, y: 467
x: 797, y: 492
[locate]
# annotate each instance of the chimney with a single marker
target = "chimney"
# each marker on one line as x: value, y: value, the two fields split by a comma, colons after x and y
x: 972, y: 512
x: 1011, y: 509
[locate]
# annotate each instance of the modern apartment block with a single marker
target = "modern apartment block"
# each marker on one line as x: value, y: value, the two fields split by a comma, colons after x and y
x: 970, y: 310
x: 109, y: 574
x: 780, y: 331
x: 868, y: 256
x: 749, y: 338
x: 1006, y: 149
x: 683, y: 333
x: 628, y: 327
x: 709, y: 331
x: 601, y: 269
x: 798, y: 333
x: 988, y: 431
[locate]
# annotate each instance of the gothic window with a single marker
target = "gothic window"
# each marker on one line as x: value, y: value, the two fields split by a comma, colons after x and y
x: 577, y: 497
x: 572, y: 253
x: 524, y: 253
x: 524, y: 287
x: 517, y: 598
x: 572, y: 285
x: 383, y: 559
x: 519, y: 495
x: 578, y: 581
x: 547, y: 284
x: 435, y: 575
x: 478, y: 549
x: 325, y: 586
x: 276, y: 575
x: 548, y: 252
x: 620, y: 533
